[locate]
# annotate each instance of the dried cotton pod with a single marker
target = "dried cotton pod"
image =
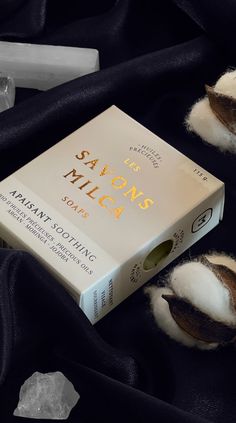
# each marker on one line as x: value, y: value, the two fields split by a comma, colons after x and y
x: 224, y: 108
x: 198, y: 305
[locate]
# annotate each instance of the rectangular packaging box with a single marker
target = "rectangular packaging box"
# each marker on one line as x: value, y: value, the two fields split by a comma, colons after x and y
x: 107, y: 208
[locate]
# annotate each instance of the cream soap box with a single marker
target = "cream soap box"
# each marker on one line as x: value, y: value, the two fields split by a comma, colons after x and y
x: 107, y: 208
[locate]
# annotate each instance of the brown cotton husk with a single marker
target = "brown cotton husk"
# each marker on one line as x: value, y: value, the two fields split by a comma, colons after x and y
x: 224, y: 108
x: 198, y: 324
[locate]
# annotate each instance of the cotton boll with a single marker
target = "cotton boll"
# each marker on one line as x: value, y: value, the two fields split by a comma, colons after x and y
x: 214, y: 117
x: 165, y: 321
x: 222, y: 259
x: 198, y: 305
x: 203, y: 122
x: 197, y: 283
x: 227, y: 84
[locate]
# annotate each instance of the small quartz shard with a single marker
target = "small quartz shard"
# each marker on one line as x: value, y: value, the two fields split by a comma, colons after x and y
x: 7, y: 93
x: 46, y: 396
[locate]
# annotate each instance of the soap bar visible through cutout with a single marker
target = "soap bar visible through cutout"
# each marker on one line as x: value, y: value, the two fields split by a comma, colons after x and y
x: 158, y: 254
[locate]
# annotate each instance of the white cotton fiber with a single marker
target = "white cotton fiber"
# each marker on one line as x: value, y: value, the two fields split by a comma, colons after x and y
x: 165, y: 321
x: 199, y: 285
x: 203, y: 122
x: 227, y: 84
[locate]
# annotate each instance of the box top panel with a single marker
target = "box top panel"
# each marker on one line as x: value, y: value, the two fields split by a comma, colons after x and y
x: 117, y: 182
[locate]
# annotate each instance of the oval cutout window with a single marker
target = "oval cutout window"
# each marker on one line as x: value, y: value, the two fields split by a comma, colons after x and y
x: 158, y: 254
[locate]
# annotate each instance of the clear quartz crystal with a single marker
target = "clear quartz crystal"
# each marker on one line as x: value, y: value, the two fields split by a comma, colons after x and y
x: 7, y: 93
x: 45, y: 66
x: 46, y: 396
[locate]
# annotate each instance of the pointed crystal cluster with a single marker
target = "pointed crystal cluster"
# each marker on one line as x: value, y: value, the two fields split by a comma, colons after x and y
x: 7, y: 93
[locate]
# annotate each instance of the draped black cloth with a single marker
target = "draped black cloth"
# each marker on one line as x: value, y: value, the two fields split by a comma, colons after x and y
x: 155, y: 56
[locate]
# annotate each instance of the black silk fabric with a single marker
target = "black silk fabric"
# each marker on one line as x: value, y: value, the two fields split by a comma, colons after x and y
x: 155, y: 57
